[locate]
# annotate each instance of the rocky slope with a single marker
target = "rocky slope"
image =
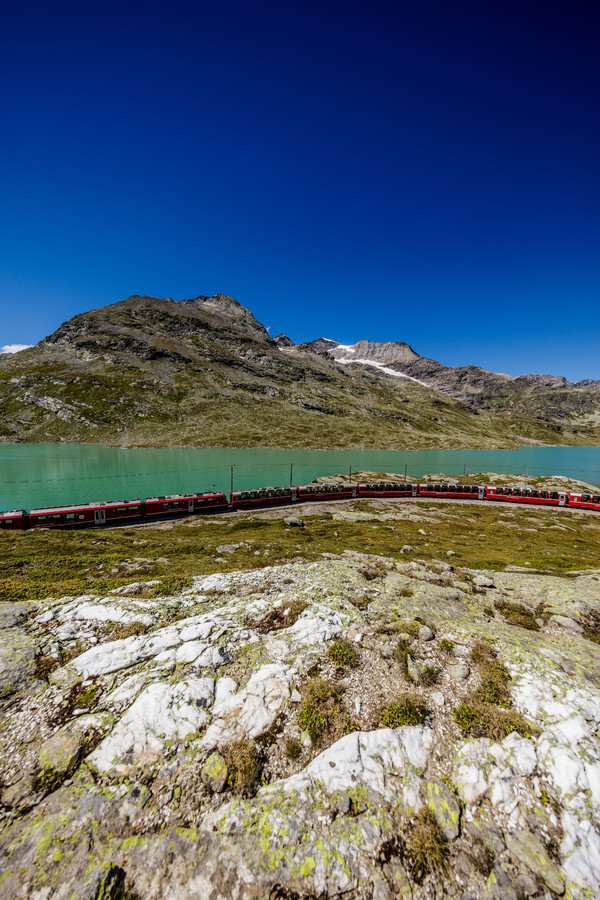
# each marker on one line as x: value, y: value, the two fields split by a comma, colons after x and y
x: 471, y: 384
x: 363, y: 725
x: 204, y: 372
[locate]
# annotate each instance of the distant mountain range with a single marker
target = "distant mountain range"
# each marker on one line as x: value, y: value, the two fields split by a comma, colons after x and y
x: 204, y: 372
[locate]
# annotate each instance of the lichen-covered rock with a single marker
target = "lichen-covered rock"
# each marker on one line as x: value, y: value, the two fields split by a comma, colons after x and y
x: 60, y: 754
x: 150, y: 711
x: 528, y: 849
x: 214, y: 773
x: 161, y: 713
x: 17, y: 650
x: 445, y: 807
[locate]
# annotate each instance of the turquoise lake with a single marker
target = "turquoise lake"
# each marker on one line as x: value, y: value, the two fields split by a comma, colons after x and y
x: 53, y: 474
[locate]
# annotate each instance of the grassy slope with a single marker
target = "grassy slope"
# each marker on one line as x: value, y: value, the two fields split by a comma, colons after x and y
x: 38, y: 564
x: 123, y: 405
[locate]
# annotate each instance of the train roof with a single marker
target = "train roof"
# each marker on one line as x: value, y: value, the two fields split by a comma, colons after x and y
x: 187, y: 496
x: 108, y: 504
x: 11, y: 513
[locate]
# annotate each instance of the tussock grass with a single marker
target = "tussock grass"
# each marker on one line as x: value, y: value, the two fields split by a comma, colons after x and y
x: 244, y: 764
x: 425, y: 851
x: 488, y: 712
x: 322, y: 713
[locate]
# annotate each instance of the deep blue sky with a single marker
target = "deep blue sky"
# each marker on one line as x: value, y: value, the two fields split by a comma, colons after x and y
x: 424, y: 171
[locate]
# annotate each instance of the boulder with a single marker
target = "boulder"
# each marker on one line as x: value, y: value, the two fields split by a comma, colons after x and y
x: 59, y: 756
x: 294, y: 522
x: 566, y: 622
x: 459, y: 671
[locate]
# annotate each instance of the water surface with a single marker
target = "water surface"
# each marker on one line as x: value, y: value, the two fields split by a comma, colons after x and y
x: 53, y: 474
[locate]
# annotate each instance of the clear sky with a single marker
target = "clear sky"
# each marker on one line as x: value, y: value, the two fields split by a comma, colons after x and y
x: 425, y: 171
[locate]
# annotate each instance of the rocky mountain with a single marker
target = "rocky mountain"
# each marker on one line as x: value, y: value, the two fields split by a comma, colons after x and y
x: 151, y: 371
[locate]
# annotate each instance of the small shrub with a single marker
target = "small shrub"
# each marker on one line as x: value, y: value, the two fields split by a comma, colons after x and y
x: 292, y: 748
x: 244, y: 765
x: 322, y: 713
x: 45, y: 665
x: 426, y: 848
x: 447, y: 645
x: 406, y: 592
x: 408, y: 709
x: 360, y: 602
x: 591, y: 626
x: 281, y: 616
x: 343, y: 654
x: 494, y: 676
x: 375, y: 570
x: 517, y: 614
x: 129, y: 629
x: 408, y: 627
x: 482, y: 720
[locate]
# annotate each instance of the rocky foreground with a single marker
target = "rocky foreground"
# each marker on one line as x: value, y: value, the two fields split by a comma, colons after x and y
x: 356, y: 726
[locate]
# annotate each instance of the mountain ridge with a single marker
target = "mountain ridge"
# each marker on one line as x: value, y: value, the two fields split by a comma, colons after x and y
x: 149, y: 371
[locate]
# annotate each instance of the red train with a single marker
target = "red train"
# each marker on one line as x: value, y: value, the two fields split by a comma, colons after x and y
x: 152, y: 508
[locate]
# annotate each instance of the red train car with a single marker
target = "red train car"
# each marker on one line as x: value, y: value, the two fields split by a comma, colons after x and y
x: 184, y: 504
x: 585, y: 501
x: 453, y: 491
x: 16, y: 518
x: 388, y: 489
x: 327, y: 491
x: 263, y: 497
x: 86, y: 514
x: 527, y: 495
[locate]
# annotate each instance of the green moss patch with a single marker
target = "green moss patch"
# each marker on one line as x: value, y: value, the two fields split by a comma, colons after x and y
x: 343, y: 654
x: 408, y: 709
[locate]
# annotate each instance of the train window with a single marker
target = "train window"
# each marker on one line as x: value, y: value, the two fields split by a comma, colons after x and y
x: 6, y: 522
x: 56, y: 516
x: 516, y: 492
x: 596, y: 498
x: 429, y: 487
x: 526, y: 493
x: 497, y: 491
x: 585, y: 498
x: 554, y: 495
x: 70, y: 516
x: 445, y: 488
x: 121, y: 510
x: 535, y: 493
x: 543, y: 495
